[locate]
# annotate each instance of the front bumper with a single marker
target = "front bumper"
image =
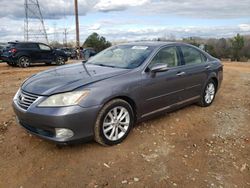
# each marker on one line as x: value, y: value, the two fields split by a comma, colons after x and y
x: 43, y: 121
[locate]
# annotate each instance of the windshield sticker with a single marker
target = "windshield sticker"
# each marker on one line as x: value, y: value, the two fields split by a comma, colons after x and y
x: 140, y: 47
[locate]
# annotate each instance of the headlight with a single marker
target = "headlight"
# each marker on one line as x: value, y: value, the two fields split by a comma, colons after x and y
x: 64, y: 99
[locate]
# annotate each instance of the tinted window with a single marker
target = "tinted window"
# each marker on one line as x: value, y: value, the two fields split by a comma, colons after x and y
x: 44, y: 47
x: 31, y: 45
x: 167, y: 56
x: 26, y: 45
x: 191, y: 55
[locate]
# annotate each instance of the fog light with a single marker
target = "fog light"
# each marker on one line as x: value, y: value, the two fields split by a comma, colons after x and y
x: 63, y: 133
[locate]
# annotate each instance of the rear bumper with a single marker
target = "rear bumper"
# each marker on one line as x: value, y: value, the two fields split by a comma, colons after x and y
x: 43, y: 121
x: 8, y: 59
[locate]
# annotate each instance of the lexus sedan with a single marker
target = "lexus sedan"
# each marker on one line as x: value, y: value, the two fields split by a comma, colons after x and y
x: 103, y: 98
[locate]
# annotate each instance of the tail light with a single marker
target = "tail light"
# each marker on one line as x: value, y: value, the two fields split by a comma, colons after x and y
x: 13, y: 50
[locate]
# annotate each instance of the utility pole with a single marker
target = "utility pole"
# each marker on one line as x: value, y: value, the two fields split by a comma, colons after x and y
x: 77, y: 25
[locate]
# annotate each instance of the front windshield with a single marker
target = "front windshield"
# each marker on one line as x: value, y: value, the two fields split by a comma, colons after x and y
x: 123, y: 56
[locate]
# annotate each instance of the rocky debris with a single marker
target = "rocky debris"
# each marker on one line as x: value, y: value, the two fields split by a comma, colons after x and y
x: 124, y: 181
x: 149, y: 157
x: 243, y: 167
x: 136, y: 179
x: 106, y: 165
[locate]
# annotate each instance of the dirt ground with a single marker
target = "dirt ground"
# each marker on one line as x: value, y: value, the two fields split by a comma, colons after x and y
x: 192, y: 147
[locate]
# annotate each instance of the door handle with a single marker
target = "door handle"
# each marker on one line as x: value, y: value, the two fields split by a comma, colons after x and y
x: 180, y: 73
x: 208, y: 67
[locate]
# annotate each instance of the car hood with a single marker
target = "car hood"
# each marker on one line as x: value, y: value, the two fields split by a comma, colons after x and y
x: 67, y: 78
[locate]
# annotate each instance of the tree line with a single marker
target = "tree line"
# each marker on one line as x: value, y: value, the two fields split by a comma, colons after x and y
x: 236, y: 48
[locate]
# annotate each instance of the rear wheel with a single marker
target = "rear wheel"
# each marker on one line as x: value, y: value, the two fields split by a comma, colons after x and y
x: 208, y: 94
x: 24, y: 62
x: 114, y: 122
x: 60, y: 60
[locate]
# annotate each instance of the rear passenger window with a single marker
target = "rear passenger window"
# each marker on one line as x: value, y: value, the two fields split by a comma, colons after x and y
x: 44, y: 47
x: 192, y: 56
x: 31, y: 45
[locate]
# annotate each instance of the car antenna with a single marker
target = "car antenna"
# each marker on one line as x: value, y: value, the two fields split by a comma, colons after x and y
x: 85, y: 68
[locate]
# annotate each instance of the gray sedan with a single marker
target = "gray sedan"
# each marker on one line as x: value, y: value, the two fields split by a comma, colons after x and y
x: 103, y: 98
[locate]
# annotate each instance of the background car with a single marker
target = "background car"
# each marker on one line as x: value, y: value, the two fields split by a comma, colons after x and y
x: 87, y: 53
x: 70, y: 52
x: 103, y: 98
x: 2, y: 46
x: 24, y: 54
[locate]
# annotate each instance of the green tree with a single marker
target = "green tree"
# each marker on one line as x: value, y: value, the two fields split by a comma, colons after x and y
x: 237, y: 45
x: 97, y: 42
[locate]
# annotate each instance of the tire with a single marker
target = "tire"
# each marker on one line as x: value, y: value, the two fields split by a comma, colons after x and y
x: 24, y: 61
x: 60, y: 60
x: 208, y: 95
x: 10, y: 64
x: 116, y: 130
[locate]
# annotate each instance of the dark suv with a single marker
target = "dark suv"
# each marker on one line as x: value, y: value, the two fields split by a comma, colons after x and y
x: 25, y: 53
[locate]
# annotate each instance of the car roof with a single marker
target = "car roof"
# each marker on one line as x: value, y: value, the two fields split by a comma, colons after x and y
x: 28, y: 42
x: 154, y: 43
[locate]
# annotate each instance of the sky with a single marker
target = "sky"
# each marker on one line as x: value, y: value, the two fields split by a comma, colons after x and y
x: 130, y: 20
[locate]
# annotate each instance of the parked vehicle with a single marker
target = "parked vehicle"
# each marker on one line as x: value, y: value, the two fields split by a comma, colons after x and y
x: 103, y: 98
x: 87, y: 53
x: 24, y: 54
x: 2, y: 46
x: 70, y: 52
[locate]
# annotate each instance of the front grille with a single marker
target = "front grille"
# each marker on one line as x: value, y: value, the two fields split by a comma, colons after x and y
x: 26, y: 99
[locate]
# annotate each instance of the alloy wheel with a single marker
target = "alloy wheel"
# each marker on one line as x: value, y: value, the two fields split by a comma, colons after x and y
x: 209, y: 93
x: 116, y: 123
x: 60, y: 61
x: 24, y: 62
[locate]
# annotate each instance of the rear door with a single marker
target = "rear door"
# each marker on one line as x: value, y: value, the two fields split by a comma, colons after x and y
x: 195, y: 70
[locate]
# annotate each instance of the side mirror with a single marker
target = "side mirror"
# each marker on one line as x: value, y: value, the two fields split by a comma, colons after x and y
x: 159, y: 68
x: 84, y: 61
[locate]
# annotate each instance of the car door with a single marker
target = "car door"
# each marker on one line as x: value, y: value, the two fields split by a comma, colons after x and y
x: 162, y: 90
x: 47, y: 54
x: 195, y: 71
x: 33, y: 51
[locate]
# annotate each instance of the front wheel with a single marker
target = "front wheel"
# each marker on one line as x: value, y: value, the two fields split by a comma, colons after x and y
x: 208, y: 94
x: 60, y: 60
x: 114, y: 122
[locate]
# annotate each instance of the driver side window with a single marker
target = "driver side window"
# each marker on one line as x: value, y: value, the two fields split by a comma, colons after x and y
x: 167, y: 56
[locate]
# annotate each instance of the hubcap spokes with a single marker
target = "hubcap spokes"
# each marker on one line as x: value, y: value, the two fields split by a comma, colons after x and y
x: 210, y: 92
x: 116, y: 123
x: 24, y: 62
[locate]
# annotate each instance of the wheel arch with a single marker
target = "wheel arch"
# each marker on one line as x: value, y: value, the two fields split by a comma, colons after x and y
x: 129, y: 100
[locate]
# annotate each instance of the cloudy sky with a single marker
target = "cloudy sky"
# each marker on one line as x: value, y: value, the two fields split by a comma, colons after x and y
x: 119, y: 20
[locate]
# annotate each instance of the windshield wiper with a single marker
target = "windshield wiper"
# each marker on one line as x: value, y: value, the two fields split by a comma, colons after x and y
x: 103, y: 65
x: 85, y: 68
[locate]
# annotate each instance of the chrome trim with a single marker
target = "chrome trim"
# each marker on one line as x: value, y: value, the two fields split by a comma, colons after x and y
x: 170, y: 106
x: 164, y: 95
x: 25, y: 100
x: 191, y: 87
